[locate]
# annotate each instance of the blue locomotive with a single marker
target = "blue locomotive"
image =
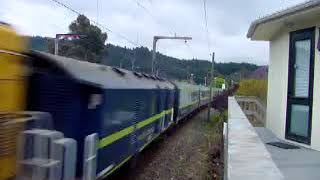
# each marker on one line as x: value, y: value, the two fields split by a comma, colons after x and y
x: 127, y: 110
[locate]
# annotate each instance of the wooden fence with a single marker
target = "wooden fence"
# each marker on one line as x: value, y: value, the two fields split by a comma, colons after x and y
x: 253, y: 108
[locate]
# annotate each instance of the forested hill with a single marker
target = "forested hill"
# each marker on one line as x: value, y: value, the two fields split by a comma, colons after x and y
x: 139, y: 59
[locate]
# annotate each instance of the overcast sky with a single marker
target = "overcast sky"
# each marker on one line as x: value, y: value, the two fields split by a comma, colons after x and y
x: 228, y: 22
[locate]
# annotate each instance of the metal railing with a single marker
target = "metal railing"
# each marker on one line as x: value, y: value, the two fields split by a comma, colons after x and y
x: 253, y: 108
x: 31, y: 150
x: 11, y: 125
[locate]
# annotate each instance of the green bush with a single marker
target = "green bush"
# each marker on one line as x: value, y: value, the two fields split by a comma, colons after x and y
x: 216, y: 118
x: 218, y: 82
x: 253, y: 87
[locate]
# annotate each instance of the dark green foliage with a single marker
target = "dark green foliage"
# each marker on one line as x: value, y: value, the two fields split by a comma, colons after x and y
x: 91, y: 46
x: 139, y: 59
x: 170, y: 67
x: 39, y: 43
x: 232, y: 67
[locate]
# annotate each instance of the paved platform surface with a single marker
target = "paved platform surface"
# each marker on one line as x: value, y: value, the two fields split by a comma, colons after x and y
x: 294, y: 164
x: 248, y: 158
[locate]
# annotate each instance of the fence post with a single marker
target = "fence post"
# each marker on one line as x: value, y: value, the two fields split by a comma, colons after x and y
x: 46, y: 155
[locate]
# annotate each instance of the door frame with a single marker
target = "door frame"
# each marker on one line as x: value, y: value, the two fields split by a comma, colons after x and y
x: 302, y: 34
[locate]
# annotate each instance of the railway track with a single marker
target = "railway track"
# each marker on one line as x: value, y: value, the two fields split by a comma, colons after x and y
x: 178, y: 154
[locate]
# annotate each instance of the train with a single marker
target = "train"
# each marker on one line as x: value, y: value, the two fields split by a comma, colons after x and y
x: 127, y: 110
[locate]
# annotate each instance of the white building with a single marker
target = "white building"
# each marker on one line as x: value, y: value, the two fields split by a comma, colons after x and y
x: 293, y: 111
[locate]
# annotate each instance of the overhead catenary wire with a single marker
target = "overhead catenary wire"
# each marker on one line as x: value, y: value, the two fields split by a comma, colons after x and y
x: 97, y: 11
x: 135, y: 43
x: 97, y: 23
x: 170, y: 30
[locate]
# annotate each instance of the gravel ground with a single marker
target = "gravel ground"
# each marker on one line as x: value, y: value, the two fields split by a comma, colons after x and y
x: 182, y: 154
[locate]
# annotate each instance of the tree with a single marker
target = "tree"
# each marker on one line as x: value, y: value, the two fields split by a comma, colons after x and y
x: 91, y: 46
x: 170, y: 67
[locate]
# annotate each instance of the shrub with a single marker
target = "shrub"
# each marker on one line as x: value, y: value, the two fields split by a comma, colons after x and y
x: 253, y: 87
x: 218, y: 82
x: 220, y: 101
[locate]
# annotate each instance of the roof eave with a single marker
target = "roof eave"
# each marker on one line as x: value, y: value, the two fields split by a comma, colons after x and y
x: 251, y: 30
x: 281, y: 14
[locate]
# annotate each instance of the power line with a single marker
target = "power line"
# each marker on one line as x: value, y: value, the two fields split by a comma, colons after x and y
x: 66, y: 6
x: 97, y: 11
x: 170, y: 30
x: 206, y: 25
x: 98, y: 24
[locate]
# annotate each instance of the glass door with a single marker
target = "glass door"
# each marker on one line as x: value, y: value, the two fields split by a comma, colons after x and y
x: 300, y: 86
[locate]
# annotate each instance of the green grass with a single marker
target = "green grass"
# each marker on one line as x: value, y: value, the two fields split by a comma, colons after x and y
x: 213, y: 131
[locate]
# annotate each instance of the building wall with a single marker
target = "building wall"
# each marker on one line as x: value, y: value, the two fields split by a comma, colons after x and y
x: 278, y: 85
x: 315, y: 132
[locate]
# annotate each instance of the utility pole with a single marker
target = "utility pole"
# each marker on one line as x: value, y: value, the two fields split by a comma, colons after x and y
x: 210, y: 84
x: 205, y: 81
x: 133, y: 60
x: 154, y: 47
x: 191, y: 78
x: 56, y: 46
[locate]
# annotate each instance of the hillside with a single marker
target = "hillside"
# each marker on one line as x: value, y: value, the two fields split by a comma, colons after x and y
x: 139, y: 59
x: 260, y: 73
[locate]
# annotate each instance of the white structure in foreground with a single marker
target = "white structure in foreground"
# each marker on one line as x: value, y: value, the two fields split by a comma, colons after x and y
x: 293, y: 111
x: 247, y: 157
